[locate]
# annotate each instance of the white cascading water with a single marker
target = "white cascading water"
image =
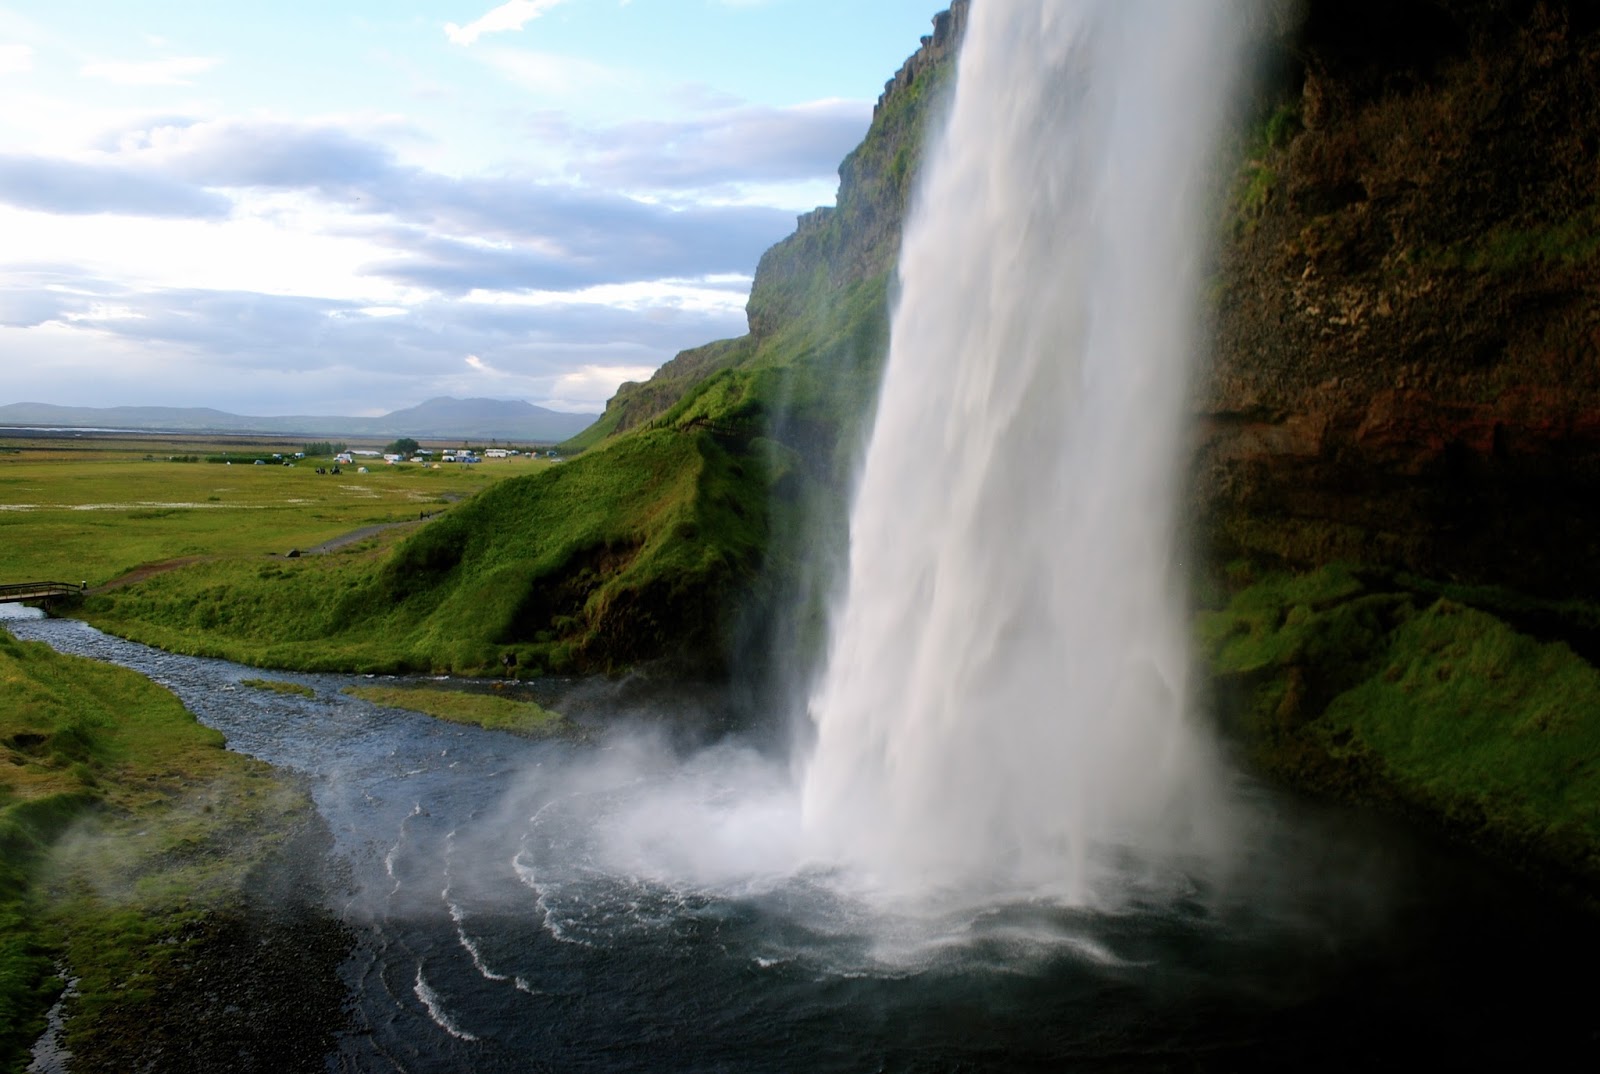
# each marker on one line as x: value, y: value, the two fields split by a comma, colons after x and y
x: 1005, y: 705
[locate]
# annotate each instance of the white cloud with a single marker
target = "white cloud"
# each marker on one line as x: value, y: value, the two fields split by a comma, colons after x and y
x: 552, y: 74
x: 591, y: 385
x: 105, y: 311
x: 511, y: 15
x: 175, y: 71
x: 715, y: 295
x: 261, y: 251
x: 478, y: 363
x: 15, y: 59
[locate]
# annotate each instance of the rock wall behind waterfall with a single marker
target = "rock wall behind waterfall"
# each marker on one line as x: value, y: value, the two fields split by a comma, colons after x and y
x: 1408, y: 310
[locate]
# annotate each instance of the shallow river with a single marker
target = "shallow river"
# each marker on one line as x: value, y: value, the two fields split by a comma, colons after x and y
x: 624, y: 903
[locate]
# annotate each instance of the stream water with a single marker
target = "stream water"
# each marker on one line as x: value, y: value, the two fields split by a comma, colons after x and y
x: 576, y: 906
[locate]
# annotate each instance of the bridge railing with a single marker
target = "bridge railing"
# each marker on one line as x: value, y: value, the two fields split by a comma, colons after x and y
x: 39, y: 590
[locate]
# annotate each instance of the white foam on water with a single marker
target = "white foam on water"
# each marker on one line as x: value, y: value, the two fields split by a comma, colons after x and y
x: 435, y: 1007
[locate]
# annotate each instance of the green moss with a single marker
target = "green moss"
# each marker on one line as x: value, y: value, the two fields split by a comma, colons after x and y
x: 1279, y: 127
x: 1485, y: 726
x: 1259, y: 181
x: 1438, y: 706
x: 1260, y: 153
x: 1511, y: 249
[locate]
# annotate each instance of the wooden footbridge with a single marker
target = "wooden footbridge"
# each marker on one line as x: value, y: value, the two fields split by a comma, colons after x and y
x: 18, y: 592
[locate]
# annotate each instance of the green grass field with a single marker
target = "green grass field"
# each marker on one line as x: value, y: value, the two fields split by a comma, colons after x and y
x: 92, y: 509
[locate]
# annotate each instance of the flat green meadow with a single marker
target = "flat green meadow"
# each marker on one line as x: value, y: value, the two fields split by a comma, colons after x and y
x: 94, y: 508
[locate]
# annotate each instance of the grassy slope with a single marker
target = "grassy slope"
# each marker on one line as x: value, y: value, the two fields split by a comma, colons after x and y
x: 124, y: 825
x: 550, y: 567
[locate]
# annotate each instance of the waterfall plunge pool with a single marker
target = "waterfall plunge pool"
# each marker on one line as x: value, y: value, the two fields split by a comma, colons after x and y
x: 632, y: 904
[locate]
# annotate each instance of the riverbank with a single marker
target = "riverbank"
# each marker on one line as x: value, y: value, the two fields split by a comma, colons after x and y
x: 175, y: 882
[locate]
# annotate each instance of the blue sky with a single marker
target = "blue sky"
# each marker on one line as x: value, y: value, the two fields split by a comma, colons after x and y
x: 351, y: 206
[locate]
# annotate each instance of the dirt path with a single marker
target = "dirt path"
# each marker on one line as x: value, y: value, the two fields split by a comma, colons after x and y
x: 356, y: 535
x: 139, y: 574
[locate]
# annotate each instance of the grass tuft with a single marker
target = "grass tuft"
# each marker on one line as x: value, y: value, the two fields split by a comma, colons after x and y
x: 483, y: 710
x: 279, y: 686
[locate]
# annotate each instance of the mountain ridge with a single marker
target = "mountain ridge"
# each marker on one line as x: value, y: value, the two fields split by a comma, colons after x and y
x: 440, y: 417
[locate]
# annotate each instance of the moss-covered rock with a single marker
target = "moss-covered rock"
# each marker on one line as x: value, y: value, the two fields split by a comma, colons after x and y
x: 1357, y: 689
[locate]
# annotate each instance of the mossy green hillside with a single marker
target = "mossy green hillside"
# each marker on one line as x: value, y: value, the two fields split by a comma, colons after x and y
x: 624, y: 553
x: 123, y: 824
x: 1356, y: 688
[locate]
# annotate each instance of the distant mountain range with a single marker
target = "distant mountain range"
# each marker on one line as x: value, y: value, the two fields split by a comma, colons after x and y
x: 442, y: 418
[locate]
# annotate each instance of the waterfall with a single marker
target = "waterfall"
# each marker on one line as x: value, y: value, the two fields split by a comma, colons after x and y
x: 1005, y: 702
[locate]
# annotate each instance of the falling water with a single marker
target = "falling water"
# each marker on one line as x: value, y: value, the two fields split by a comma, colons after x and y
x: 1005, y: 705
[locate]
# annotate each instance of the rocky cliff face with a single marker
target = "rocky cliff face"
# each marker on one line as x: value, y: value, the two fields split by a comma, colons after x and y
x: 1408, y: 312
x: 835, y: 250
x: 859, y: 239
